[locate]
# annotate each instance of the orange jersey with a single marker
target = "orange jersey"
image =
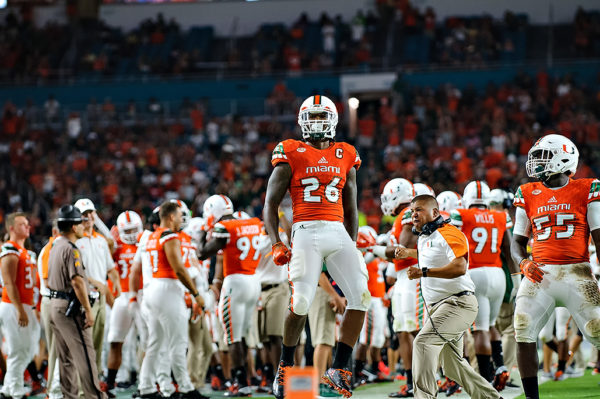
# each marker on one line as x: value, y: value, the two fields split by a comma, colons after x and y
x: 318, y: 178
x: 45, y: 252
x: 188, y: 248
x: 25, y: 279
x: 484, y: 229
x: 403, y: 219
x: 376, y: 284
x: 123, y: 257
x: 558, y: 219
x: 240, y: 255
x: 158, y: 259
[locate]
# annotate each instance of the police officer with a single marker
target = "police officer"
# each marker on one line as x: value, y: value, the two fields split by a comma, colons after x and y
x: 70, y: 310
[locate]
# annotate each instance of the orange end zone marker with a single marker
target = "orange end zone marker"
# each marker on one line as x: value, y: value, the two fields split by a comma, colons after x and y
x: 301, y: 383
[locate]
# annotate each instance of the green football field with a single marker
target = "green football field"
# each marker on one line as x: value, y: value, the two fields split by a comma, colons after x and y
x: 575, y: 388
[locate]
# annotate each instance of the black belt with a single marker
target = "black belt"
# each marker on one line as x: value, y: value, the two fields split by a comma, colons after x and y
x: 463, y: 293
x: 60, y: 295
x: 269, y: 286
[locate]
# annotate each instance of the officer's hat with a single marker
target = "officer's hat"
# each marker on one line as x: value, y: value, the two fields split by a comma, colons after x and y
x: 69, y: 213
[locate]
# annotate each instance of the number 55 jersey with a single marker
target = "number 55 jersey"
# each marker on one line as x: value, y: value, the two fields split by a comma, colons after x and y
x: 559, y: 219
x: 318, y: 178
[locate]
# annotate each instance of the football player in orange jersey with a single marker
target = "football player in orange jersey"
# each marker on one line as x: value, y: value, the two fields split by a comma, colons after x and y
x: 17, y: 320
x: 489, y: 237
x: 321, y: 176
x: 164, y: 307
x: 129, y: 225
x: 240, y: 241
x: 372, y: 336
x: 560, y: 213
x: 407, y: 306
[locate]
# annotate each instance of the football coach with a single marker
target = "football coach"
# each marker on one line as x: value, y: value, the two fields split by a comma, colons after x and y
x: 443, y: 260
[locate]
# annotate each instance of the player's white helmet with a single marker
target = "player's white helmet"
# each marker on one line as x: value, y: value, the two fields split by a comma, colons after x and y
x: 550, y: 155
x: 241, y: 215
x: 476, y: 193
x: 129, y: 225
x: 396, y: 191
x: 217, y: 206
x: 449, y: 201
x: 318, y: 129
x: 496, y: 197
x: 194, y: 228
x: 423, y: 189
x: 186, y: 213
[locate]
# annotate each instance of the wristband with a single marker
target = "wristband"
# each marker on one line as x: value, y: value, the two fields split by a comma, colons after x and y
x: 379, y: 250
x: 195, y: 295
x: 217, y: 279
x: 424, y: 271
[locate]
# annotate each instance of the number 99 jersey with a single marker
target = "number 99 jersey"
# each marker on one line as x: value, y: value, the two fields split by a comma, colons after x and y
x: 318, y: 178
x: 559, y: 219
x: 241, y: 254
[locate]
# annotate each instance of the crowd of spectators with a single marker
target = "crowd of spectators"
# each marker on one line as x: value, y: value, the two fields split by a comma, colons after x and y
x: 392, y: 32
x: 442, y: 136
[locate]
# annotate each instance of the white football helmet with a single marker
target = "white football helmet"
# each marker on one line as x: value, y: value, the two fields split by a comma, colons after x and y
x: 449, y: 201
x: 129, y: 225
x: 396, y: 191
x: 194, y: 228
x: 186, y: 212
x: 241, y: 215
x: 423, y: 189
x: 550, y: 155
x: 496, y: 197
x: 318, y: 129
x: 476, y: 193
x: 217, y: 206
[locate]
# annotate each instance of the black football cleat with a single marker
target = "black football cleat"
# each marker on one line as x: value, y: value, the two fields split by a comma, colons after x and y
x: 279, y: 382
x: 339, y: 379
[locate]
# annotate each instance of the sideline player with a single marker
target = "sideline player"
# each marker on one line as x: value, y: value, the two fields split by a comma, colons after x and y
x: 129, y: 226
x: 407, y: 307
x: 321, y: 177
x: 559, y: 212
x: 17, y: 320
x: 240, y: 241
x: 489, y: 237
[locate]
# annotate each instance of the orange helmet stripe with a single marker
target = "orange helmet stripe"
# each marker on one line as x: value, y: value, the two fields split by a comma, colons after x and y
x: 317, y: 99
x: 127, y: 217
x: 478, y: 189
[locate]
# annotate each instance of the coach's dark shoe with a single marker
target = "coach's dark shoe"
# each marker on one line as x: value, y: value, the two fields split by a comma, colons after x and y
x: 152, y: 395
x: 501, y: 378
x: 280, y: 379
x: 406, y: 391
x: 339, y: 379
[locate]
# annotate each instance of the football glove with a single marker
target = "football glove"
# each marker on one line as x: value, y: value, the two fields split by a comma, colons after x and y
x: 532, y: 270
x: 281, y: 254
x: 364, y: 241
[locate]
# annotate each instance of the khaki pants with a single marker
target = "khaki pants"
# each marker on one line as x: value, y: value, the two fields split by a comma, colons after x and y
x: 53, y: 384
x: 321, y: 319
x: 506, y: 328
x: 99, y: 311
x: 199, y: 351
x: 77, y: 355
x: 443, y: 341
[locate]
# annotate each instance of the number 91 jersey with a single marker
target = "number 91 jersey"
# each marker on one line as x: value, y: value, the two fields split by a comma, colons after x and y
x: 240, y: 255
x: 559, y: 219
x: 318, y: 178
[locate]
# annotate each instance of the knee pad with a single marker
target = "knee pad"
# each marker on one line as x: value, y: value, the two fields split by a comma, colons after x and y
x: 592, y: 329
x: 299, y: 304
x: 523, y: 328
x: 363, y: 304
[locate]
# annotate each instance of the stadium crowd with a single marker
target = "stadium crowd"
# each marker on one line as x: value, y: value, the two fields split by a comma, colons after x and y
x: 396, y: 31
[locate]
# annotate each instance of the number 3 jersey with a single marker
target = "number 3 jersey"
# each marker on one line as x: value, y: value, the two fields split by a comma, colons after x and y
x: 241, y: 254
x: 123, y: 258
x: 558, y: 219
x: 318, y: 178
x: 25, y: 272
x: 484, y: 229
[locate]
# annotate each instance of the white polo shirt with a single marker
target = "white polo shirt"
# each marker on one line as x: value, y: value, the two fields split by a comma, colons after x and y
x: 437, y: 250
x: 143, y: 256
x: 96, y: 256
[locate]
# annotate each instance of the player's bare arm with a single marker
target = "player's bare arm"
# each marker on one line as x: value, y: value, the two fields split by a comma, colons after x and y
x: 596, y: 238
x: 113, y: 276
x: 350, y: 204
x: 173, y: 253
x: 210, y: 248
x: 505, y: 248
x: 518, y: 248
x: 134, y: 276
x: 276, y: 189
x: 9, y: 267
